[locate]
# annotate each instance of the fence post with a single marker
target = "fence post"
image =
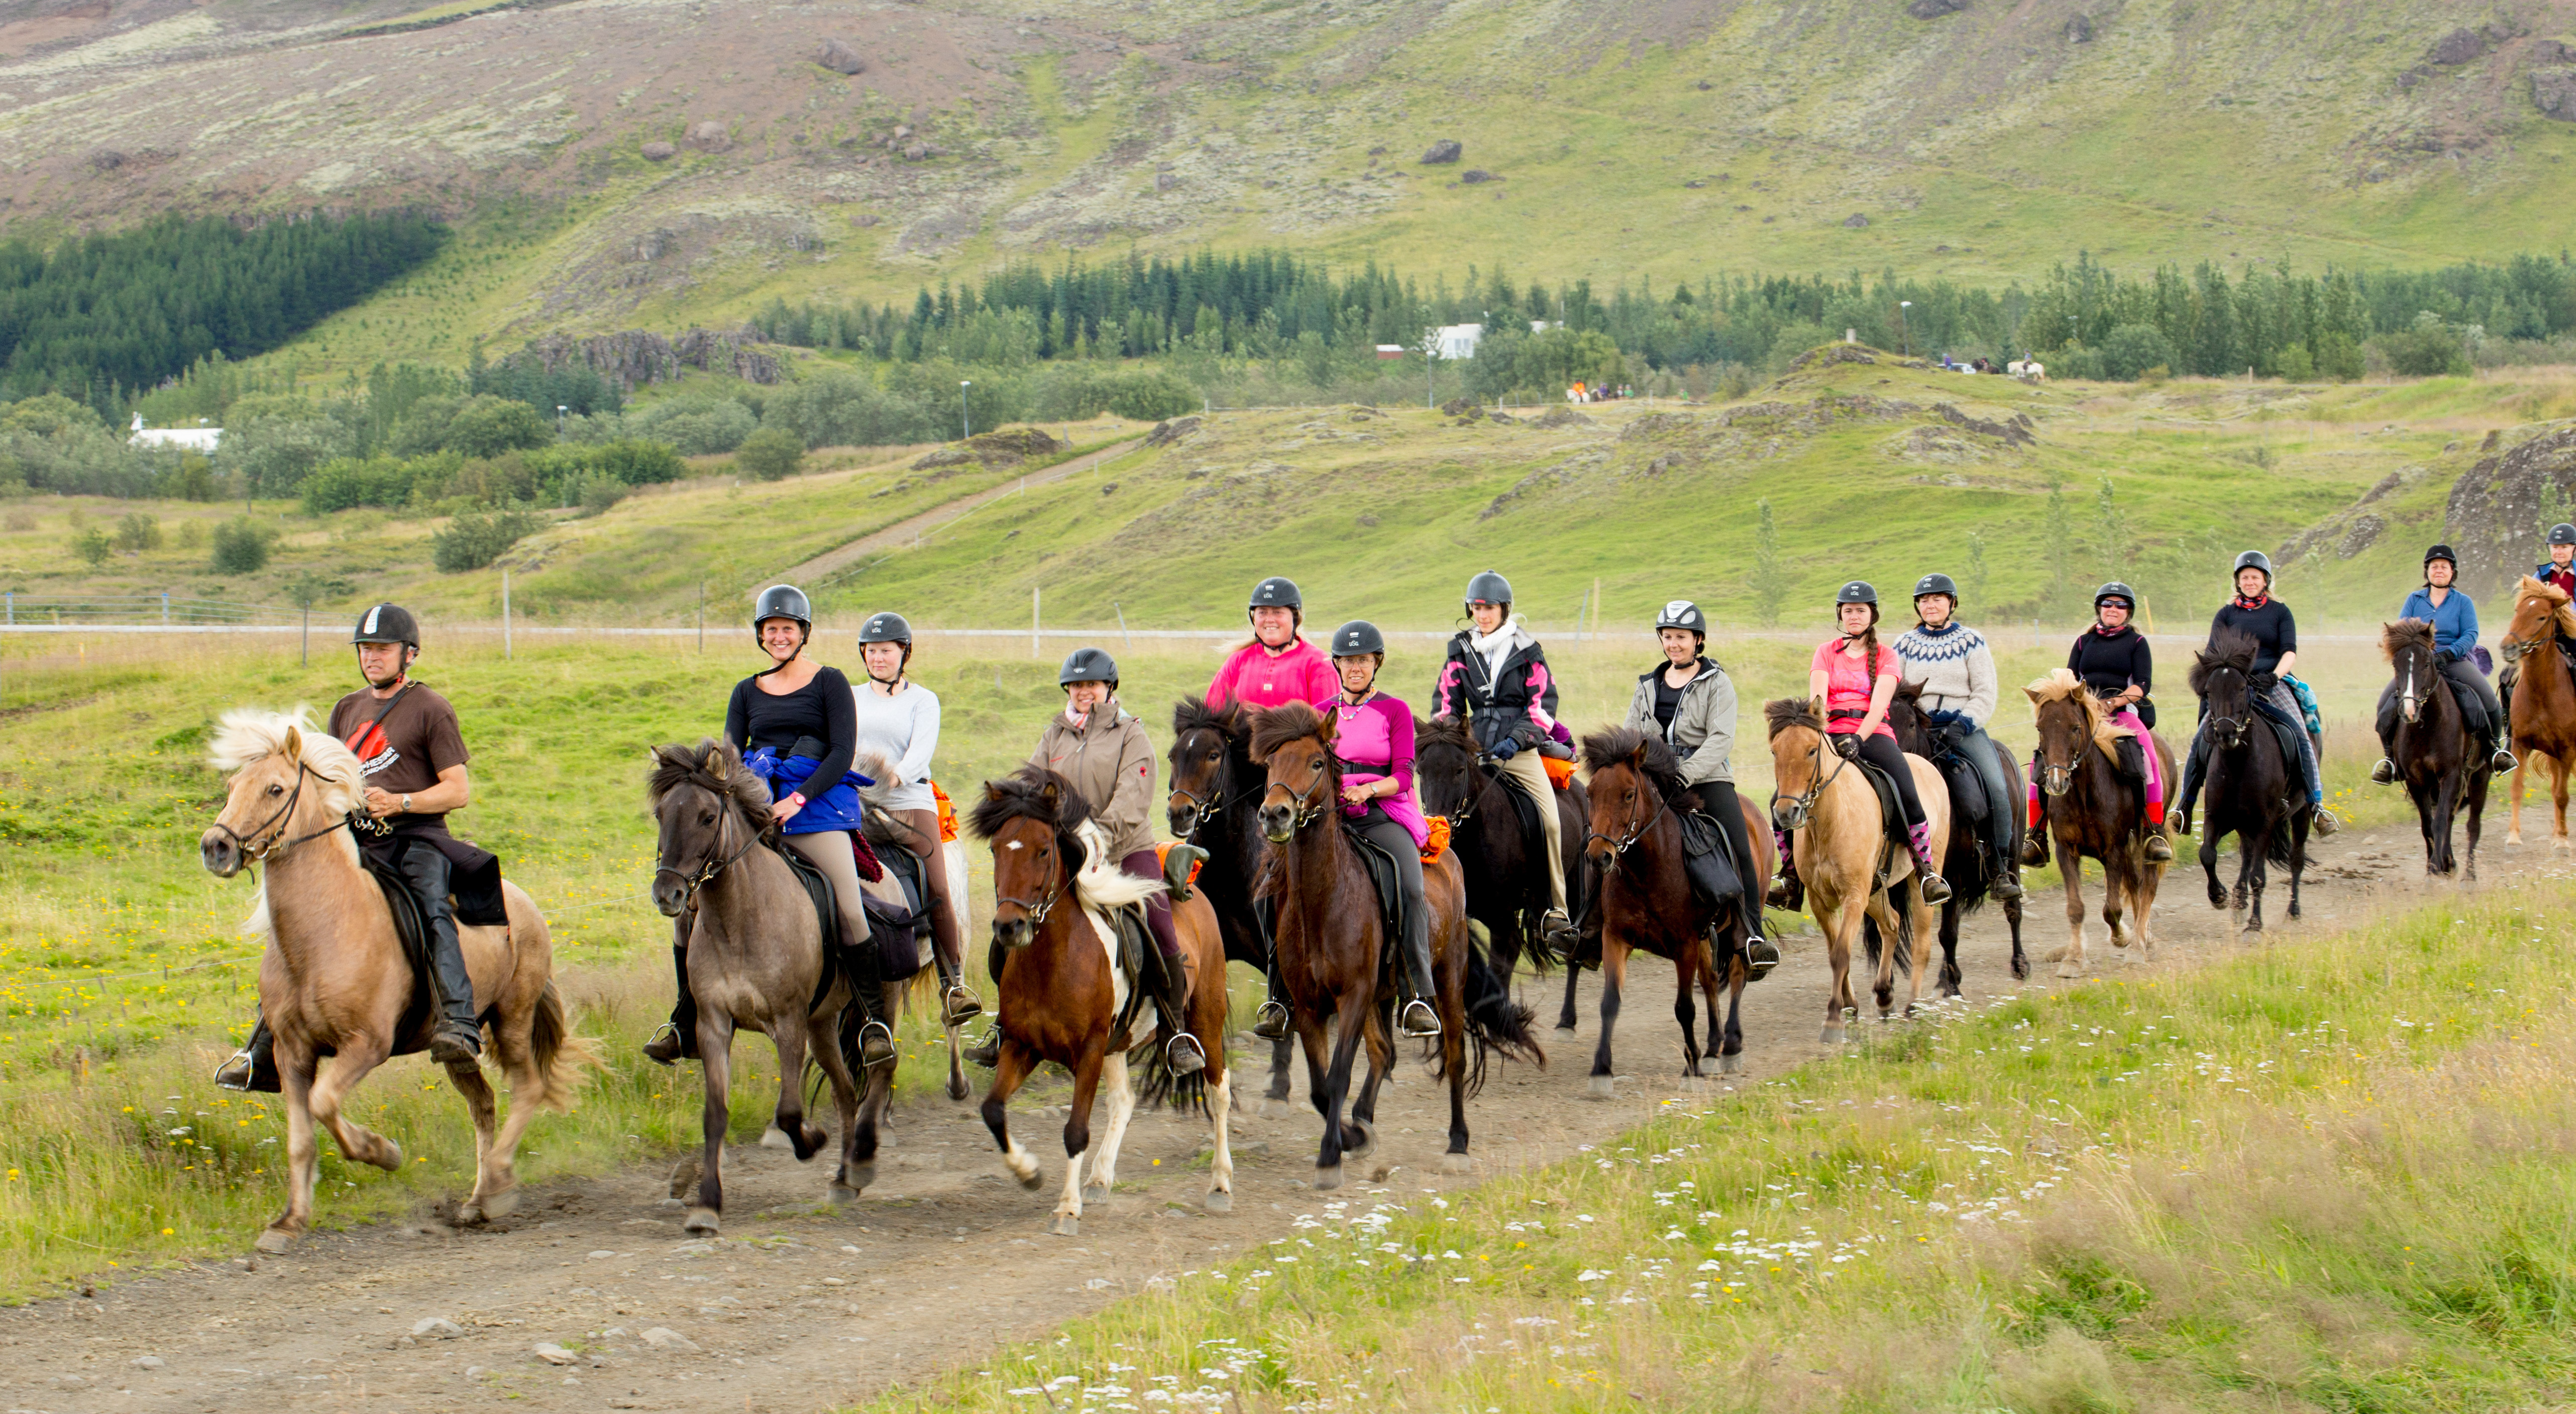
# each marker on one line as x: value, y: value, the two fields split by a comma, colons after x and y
x: 1122, y: 626
x: 702, y: 616
x: 306, y: 659
x: 505, y: 612
x: 165, y: 608
x: 1034, y: 650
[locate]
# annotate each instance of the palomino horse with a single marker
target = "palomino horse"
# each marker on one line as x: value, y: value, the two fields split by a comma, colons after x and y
x: 1215, y: 799
x: 2544, y: 698
x: 2095, y: 811
x: 1506, y: 884
x: 757, y: 959
x: 336, y: 981
x: 1332, y: 944
x: 1634, y: 844
x: 2434, y: 755
x: 1065, y: 999
x: 2254, y: 790
x: 1841, y: 845
x: 1968, y: 867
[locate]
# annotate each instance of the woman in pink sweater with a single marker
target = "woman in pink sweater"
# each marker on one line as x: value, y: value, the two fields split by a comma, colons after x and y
x: 1278, y: 666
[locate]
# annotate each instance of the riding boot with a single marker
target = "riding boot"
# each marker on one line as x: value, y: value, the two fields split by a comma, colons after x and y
x: 677, y: 1040
x: 2385, y: 773
x: 1172, y: 1002
x: 2157, y: 847
x: 1918, y: 839
x: 986, y: 1053
x: 1760, y: 953
x: 254, y: 1067
x: 1419, y: 1019
x: 1178, y: 863
x: 1787, y: 891
x: 1270, y: 1023
x: 2034, y: 846
x: 957, y: 1000
x: 2004, y: 885
x: 2178, y: 819
x: 459, y: 1037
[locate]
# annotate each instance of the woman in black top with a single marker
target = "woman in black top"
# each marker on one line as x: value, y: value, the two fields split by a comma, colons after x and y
x: 2119, y: 667
x: 2276, y: 636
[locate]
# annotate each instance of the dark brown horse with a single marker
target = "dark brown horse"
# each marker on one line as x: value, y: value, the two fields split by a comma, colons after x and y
x: 1064, y: 998
x: 2442, y: 767
x: 2253, y: 788
x: 2543, y: 705
x: 1333, y: 946
x: 1506, y: 883
x: 1634, y: 844
x: 1967, y: 865
x: 2095, y: 811
x: 1215, y: 804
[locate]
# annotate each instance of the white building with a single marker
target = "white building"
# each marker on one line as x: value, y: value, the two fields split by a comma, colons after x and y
x: 1460, y: 340
x: 191, y: 439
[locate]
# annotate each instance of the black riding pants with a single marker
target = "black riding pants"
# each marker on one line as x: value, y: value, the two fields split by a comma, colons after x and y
x: 426, y: 870
x: 1883, y: 752
x: 1717, y: 800
x: 1397, y: 841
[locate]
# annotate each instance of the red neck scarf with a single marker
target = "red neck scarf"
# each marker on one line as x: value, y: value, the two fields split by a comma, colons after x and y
x: 2258, y: 601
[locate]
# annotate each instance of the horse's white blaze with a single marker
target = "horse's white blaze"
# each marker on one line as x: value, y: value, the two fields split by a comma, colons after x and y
x: 1221, y: 1161
x: 1122, y: 1108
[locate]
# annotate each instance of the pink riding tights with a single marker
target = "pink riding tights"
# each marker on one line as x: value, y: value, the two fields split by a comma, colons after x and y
x: 2127, y: 717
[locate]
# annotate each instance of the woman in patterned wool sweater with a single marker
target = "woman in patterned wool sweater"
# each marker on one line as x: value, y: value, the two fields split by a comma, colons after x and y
x: 1955, y: 669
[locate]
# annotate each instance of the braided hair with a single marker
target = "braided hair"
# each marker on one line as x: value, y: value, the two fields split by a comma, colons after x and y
x: 1869, y: 646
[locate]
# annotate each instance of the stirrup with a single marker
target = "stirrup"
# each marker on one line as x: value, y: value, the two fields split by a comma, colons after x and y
x: 666, y: 1045
x: 2503, y: 760
x: 876, y: 1045
x: 961, y: 1004
x: 235, y: 1073
x: 1427, y: 1027
x: 2004, y: 888
x: 2326, y: 823
x: 2385, y: 773
x: 987, y: 1053
x: 1185, y: 1062
x: 1270, y: 1023
x: 1935, y: 888
x: 2158, y: 848
x: 1760, y: 956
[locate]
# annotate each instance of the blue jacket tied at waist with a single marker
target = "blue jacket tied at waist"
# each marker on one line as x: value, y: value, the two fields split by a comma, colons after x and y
x: 2455, y: 621
x: 834, y: 809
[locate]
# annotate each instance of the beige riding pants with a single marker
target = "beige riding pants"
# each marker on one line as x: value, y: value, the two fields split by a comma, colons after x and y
x: 1524, y: 771
x: 830, y: 852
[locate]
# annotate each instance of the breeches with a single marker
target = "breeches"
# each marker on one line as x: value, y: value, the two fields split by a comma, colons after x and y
x: 830, y: 851
x: 1526, y: 774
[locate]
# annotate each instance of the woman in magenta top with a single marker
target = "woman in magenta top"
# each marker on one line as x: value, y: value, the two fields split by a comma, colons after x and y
x: 1373, y: 738
x: 1277, y: 667
x: 1856, y: 678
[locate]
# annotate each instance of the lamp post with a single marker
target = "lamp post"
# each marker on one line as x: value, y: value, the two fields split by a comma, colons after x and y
x: 560, y: 410
x: 965, y: 418
x: 1904, y: 339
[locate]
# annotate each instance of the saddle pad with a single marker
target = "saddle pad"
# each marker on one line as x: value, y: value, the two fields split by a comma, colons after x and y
x: 1965, y: 786
x: 1390, y: 897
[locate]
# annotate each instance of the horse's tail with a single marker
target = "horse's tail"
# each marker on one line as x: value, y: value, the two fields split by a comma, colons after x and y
x: 2277, y: 847
x: 1904, y: 934
x: 560, y: 1054
x: 1157, y: 1085
x: 1495, y: 1020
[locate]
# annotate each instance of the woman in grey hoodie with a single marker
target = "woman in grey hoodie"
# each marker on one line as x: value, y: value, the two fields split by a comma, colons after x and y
x: 1689, y: 701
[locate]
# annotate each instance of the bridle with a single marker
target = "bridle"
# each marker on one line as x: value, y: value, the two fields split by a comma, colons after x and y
x: 279, y: 817
x: 2227, y: 733
x: 1803, y: 805
x: 2413, y: 702
x: 1216, y: 802
x: 690, y: 883
x: 1037, y: 909
x: 1636, y: 831
x: 1308, y: 805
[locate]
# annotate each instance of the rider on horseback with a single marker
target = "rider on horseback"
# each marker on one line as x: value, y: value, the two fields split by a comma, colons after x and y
x: 1857, y: 679
x: 1689, y: 701
x: 1957, y: 673
x: 2119, y: 667
x: 2559, y: 570
x: 795, y: 724
x: 2454, y: 618
x: 1278, y: 666
x: 1373, y: 739
x: 2276, y: 635
x: 413, y: 757
x: 1497, y: 678
x: 899, y: 719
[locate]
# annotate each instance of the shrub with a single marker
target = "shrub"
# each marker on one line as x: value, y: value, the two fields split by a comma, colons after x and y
x: 239, y: 548
x: 92, y: 545
x: 487, y: 426
x: 475, y: 539
x: 599, y: 492
x: 2426, y: 351
x: 2131, y: 349
x: 638, y: 462
x: 1152, y: 397
x: 137, y: 531
x: 193, y: 479
x: 838, y: 408
x: 771, y: 454
x: 697, y: 428
x: 346, y: 482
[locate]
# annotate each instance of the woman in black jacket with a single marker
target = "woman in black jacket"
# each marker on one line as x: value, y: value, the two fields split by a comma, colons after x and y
x: 2119, y: 667
x: 1496, y: 678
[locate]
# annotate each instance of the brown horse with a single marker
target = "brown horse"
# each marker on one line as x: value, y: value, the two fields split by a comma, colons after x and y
x: 1969, y: 866
x: 2543, y: 707
x: 1065, y: 999
x: 336, y: 981
x: 2441, y: 765
x: 2096, y: 811
x: 1634, y: 844
x: 1850, y: 866
x: 757, y: 959
x: 1332, y: 943
x: 1214, y: 804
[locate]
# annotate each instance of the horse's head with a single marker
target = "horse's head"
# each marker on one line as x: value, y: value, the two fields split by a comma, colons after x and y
x: 1634, y: 776
x: 1030, y: 817
x: 1294, y: 744
x: 2540, y: 612
x: 1906, y: 718
x: 1797, y: 750
x: 1444, y: 767
x: 2408, y: 646
x: 707, y: 809
x: 2070, y: 720
x: 2222, y: 676
x: 1205, y: 741
x: 289, y: 780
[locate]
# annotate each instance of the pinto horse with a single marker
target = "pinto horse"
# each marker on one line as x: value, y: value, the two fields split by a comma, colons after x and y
x: 2096, y: 811
x: 2253, y: 789
x: 336, y: 981
x: 2543, y: 706
x: 1214, y: 804
x: 2442, y: 767
x: 1064, y: 997
x: 1968, y: 865
x: 1841, y: 843
x: 1634, y: 844
x: 1332, y: 943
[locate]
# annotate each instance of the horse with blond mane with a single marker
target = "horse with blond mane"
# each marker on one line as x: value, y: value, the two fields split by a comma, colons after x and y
x: 2097, y: 810
x: 336, y: 980
x: 2542, y: 707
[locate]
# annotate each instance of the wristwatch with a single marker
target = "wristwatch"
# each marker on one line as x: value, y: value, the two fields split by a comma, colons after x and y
x: 406, y: 802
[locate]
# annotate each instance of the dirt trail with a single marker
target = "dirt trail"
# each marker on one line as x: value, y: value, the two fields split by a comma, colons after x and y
x: 798, y: 1308
x: 903, y: 531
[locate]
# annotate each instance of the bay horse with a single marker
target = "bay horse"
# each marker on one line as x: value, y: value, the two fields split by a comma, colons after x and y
x: 1634, y: 845
x: 1841, y: 840
x: 2253, y: 789
x: 1505, y: 881
x: 2543, y: 708
x: 1065, y: 999
x: 2096, y: 811
x: 2443, y: 769
x: 757, y: 960
x: 336, y: 981
x: 1332, y: 943
x: 1214, y: 804
x: 1968, y: 865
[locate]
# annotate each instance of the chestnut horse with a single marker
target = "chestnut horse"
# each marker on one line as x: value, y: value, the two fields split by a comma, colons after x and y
x: 1841, y: 841
x: 2442, y: 767
x: 2253, y: 788
x: 1064, y: 996
x: 1331, y: 940
x: 2543, y: 707
x: 2096, y: 811
x: 336, y: 981
x: 1634, y: 845
x: 1969, y: 866
x: 1214, y: 804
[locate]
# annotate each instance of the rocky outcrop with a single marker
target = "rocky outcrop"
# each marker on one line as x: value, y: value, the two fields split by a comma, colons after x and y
x: 1935, y: 9
x: 2460, y: 46
x: 2553, y: 92
x: 842, y: 57
x: 1830, y: 355
x: 1445, y: 150
x: 2079, y: 30
x: 710, y: 136
x: 634, y: 358
x: 1009, y: 447
x: 1855, y: 222
x: 1167, y: 433
x: 2015, y: 432
x: 2495, y: 513
x: 659, y: 152
x: 1478, y: 176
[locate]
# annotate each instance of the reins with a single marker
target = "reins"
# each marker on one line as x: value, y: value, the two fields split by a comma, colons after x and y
x: 281, y: 817
x: 1216, y: 803
x: 1619, y: 847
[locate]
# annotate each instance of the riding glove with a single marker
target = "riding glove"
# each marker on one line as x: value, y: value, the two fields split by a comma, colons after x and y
x: 1505, y: 749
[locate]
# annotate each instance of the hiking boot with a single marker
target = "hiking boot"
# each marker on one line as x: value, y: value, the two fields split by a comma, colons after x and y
x: 2004, y: 887
x: 2326, y: 823
x: 1935, y: 889
x: 876, y: 1045
x: 986, y: 1053
x: 961, y: 1003
x: 2385, y: 773
x: 1417, y: 1022
x: 668, y: 1046
x: 2158, y: 848
x: 2034, y: 848
x: 1760, y: 956
x: 1270, y: 1023
x: 1183, y: 1054
x: 1177, y: 864
x: 455, y: 1044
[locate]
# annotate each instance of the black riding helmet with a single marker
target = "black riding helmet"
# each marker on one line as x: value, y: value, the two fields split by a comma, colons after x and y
x: 2252, y: 560
x: 2116, y: 590
x: 2442, y: 553
x: 387, y: 623
x: 1682, y: 613
x: 1087, y: 665
x: 1937, y: 584
x: 1278, y: 592
x: 2562, y: 534
x: 1858, y: 591
x: 782, y: 601
x: 1490, y: 587
x: 888, y: 628
x: 1357, y: 637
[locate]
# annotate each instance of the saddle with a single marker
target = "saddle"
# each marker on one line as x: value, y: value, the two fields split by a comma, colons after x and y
x: 1390, y: 896
x: 1891, y: 816
x: 1967, y: 788
x: 1714, y: 875
x: 1534, y: 839
x: 838, y: 958
x: 2291, y: 738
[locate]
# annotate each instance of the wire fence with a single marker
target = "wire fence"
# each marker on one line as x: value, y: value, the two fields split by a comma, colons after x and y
x: 38, y: 613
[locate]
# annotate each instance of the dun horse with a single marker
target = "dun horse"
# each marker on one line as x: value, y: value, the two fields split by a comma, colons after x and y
x: 2544, y: 699
x: 1333, y: 948
x: 2253, y: 788
x: 757, y: 959
x: 1844, y: 853
x: 2095, y: 811
x: 336, y: 981
x: 1065, y: 999
x: 1215, y: 804
x: 2434, y: 755
x: 1634, y: 844
x: 1968, y: 866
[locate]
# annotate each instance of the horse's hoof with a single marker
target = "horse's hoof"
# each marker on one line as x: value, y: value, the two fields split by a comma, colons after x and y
x: 1364, y: 1140
x: 2057, y: 954
x: 1707, y: 1066
x: 1277, y: 1109
x: 1327, y: 1178
x: 957, y: 1088
x: 389, y: 1157
x: 1831, y: 1036
x: 1065, y: 1225
x: 1562, y: 1029
x: 702, y: 1222
x: 1603, y: 1086
x: 840, y: 1194
x: 468, y: 1214
x: 275, y: 1243
x: 1457, y: 1163
x: 776, y: 1138
x: 1218, y: 1201
x: 862, y: 1176
x: 1730, y: 1065
x: 501, y: 1204
x: 684, y: 1177
x: 1094, y: 1194
x: 2069, y: 970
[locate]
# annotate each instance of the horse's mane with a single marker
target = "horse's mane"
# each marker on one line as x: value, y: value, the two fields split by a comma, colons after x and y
x: 714, y: 765
x: 2062, y: 685
x: 1782, y: 713
x: 2404, y: 634
x: 2556, y: 597
x: 1626, y: 746
x: 1193, y: 714
x: 2228, y: 648
x: 247, y: 734
x: 1023, y: 795
x: 1442, y: 731
x: 1275, y: 727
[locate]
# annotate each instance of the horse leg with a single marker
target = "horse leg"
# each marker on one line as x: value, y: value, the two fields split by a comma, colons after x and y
x: 2115, y: 882
x: 1381, y: 1061
x: 1122, y: 1107
x: 2557, y: 803
x: 1839, y: 1001
x: 487, y: 1200
x: 2070, y: 870
x: 1950, y: 974
x: 1614, y: 982
x: 1351, y: 1022
x: 2477, y: 808
x: 958, y: 1089
x: 1077, y: 1137
x: 2426, y: 804
x: 1919, y: 925
x: 2250, y: 854
x: 806, y: 1139
x: 1013, y: 1067
x: 715, y: 1061
x: 823, y: 1042
x: 1573, y: 975
x: 357, y: 1143
x: 1278, y: 1092
x: 876, y: 1095
x: 303, y: 1150
x: 2513, y: 799
x: 1454, y: 1043
x: 1730, y: 1057
x: 2298, y: 860
x: 1686, y: 969
x: 1220, y: 1192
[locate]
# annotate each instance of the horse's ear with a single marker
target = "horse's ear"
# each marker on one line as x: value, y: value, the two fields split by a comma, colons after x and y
x: 992, y: 790
x: 1637, y: 758
x: 1074, y: 854
x: 294, y: 744
x: 1816, y: 708
x: 1053, y: 795
x: 1324, y: 730
x: 2032, y: 692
